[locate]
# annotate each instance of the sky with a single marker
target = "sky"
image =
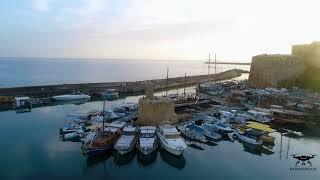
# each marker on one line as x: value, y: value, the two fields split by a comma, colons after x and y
x: 235, y: 30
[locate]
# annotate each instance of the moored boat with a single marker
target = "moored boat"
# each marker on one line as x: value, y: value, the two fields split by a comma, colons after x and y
x: 250, y: 136
x: 127, y: 140
x: 74, y: 136
x: 148, y: 141
x: 171, y: 140
x: 211, y: 135
x: 218, y: 126
x: 193, y: 132
x: 73, y: 96
x: 110, y: 94
x: 102, y: 142
x: 70, y: 128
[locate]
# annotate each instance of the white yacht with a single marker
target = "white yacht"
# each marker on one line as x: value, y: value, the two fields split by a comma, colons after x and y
x: 128, y: 139
x: 171, y: 140
x: 73, y: 96
x: 147, y: 142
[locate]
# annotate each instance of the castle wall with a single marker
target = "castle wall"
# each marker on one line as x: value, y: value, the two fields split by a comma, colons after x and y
x: 271, y: 70
x: 156, y: 111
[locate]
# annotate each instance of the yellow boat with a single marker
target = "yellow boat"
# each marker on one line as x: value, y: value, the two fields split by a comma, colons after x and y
x: 260, y: 127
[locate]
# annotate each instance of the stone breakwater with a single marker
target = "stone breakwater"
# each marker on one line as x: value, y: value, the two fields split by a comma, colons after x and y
x: 125, y: 87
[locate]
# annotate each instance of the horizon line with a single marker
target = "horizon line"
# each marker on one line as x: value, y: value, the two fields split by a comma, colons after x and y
x: 134, y: 59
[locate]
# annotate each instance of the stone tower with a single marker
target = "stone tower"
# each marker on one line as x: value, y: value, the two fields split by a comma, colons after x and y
x: 155, y: 110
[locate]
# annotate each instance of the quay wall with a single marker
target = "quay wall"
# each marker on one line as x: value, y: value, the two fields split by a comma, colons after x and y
x: 122, y: 87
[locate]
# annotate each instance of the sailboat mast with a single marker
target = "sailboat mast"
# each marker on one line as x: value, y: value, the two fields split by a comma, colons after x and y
x: 209, y: 67
x: 185, y: 83
x: 215, y: 63
x: 103, y: 113
x: 167, y: 81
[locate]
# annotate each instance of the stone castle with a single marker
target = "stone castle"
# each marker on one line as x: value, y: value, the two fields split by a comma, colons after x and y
x: 155, y: 110
x: 300, y: 68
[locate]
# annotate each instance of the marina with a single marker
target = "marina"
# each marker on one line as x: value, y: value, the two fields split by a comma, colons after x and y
x: 175, y: 123
x: 159, y: 90
x: 49, y: 152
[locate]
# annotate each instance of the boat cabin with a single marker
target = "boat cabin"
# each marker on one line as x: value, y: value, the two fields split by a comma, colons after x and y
x: 129, y: 130
x: 22, y: 103
x: 148, y: 131
x: 111, y: 130
x: 170, y: 132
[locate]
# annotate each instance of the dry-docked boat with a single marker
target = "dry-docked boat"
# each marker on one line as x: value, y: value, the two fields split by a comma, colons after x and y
x: 171, y: 140
x: 148, y: 141
x: 250, y: 136
x: 102, y: 142
x: 127, y: 141
x: 73, y: 96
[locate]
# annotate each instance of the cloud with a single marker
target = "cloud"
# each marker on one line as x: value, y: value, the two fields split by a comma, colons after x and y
x: 40, y: 5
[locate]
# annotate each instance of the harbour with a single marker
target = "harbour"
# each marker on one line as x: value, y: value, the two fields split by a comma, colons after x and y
x: 107, y: 127
x: 51, y: 156
x: 135, y: 90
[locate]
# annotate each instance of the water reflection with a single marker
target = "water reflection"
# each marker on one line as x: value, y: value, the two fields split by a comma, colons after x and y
x: 257, y: 150
x: 124, y: 159
x: 178, y: 162
x: 195, y: 146
x: 75, y: 102
x: 146, y: 160
x: 98, y: 159
x: 211, y: 143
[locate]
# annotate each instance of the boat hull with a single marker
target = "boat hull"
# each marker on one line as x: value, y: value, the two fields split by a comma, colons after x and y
x: 70, y: 97
x: 248, y: 140
x: 173, y: 151
x: 97, y: 151
x: 148, y: 151
x: 123, y: 151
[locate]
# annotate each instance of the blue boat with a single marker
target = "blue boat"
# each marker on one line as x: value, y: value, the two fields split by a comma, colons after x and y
x: 193, y: 131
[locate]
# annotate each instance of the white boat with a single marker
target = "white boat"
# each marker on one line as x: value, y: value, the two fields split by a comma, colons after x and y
x: 127, y: 141
x: 171, y: 140
x: 73, y: 96
x: 193, y: 131
x: 70, y: 128
x: 91, y: 132
x: 110, y: 94
x: 73, y: 136
x: 250, y: 136
x: 260, y: 116
x: 147, y: 142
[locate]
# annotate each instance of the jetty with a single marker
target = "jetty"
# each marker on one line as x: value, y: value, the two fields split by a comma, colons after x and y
x: 126, y: 87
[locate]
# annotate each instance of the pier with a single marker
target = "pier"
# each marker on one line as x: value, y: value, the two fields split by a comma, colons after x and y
x: 125, y: 87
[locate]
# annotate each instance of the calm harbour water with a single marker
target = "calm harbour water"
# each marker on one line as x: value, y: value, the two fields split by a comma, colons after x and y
x: 30, y: 145
x: 28, y: 72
